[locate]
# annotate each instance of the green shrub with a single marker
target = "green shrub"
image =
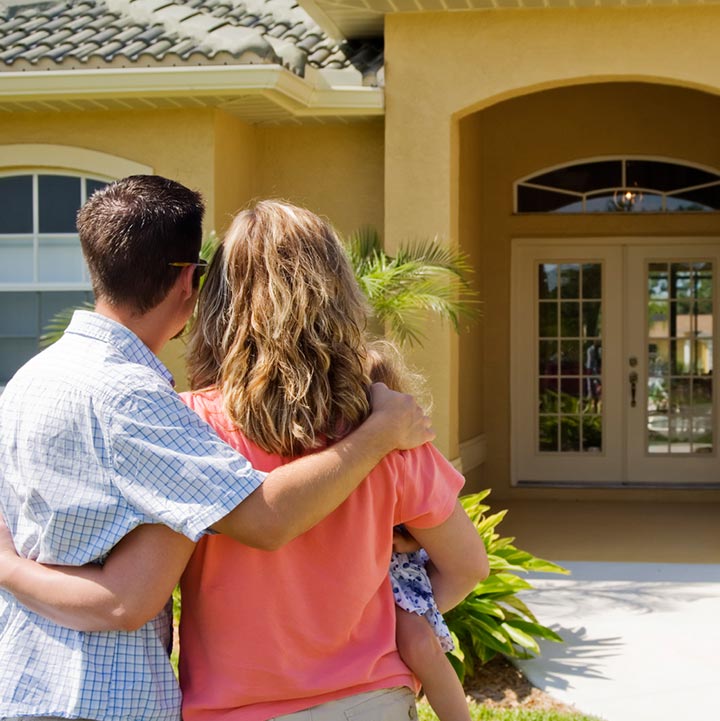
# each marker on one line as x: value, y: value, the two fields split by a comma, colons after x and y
x: 492, y: 619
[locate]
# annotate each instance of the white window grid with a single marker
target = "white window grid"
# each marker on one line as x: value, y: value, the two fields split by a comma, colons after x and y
x: 36, y: 237
x: 583, y: 197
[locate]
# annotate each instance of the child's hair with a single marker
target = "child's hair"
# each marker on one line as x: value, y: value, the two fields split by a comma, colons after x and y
x: 386, y: 364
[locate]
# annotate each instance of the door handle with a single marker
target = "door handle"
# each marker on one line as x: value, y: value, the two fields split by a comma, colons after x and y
x: 633, y: 378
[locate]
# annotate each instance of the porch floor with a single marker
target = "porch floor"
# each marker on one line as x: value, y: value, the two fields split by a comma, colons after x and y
x: 645, y: 532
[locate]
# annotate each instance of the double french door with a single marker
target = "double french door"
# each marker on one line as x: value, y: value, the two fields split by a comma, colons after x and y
x: 613, y: 350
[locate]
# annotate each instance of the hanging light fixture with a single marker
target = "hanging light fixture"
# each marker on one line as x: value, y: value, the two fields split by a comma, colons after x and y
x: 627, y: 199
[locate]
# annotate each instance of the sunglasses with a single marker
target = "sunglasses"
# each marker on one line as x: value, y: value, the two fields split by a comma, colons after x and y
x: 201, y: 266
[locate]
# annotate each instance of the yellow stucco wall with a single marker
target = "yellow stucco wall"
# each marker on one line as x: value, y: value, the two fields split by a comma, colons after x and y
x: 443, y: 67
x: 235, y: 157
x: 178, y: 144
x: 336, y: 170
x: 175, y: 143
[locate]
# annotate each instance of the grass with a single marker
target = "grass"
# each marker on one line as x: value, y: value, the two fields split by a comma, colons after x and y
x: 486, y: 713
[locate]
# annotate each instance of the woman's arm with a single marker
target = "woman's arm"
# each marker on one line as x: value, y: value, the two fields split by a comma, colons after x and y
x: 131, y: 588
x: 458, y: 560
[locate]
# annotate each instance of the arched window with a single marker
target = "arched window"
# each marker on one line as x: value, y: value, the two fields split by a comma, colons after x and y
x: 42, y: 270
x: 625, y: 185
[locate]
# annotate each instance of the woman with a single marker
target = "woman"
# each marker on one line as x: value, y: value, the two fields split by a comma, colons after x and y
x: 277, y: 358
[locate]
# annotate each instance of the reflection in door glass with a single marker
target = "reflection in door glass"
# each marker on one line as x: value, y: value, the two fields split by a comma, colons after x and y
x: 569, y: 347
x: 679, y: 358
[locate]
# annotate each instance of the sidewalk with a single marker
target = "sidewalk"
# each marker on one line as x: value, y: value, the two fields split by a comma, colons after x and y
x: 642, y: 640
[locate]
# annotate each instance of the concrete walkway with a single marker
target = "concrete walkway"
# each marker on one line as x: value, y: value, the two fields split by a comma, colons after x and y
x: 642, y: 641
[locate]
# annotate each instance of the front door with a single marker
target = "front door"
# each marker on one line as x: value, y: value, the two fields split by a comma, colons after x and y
x: 612, y: 361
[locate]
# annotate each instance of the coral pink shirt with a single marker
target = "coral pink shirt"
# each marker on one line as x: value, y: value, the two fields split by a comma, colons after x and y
x: 269, y: 633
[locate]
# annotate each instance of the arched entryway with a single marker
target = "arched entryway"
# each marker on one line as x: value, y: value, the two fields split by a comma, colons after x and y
x: 501, y: 372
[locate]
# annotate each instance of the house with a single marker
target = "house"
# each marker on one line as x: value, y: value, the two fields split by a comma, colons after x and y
x: 570, y: 147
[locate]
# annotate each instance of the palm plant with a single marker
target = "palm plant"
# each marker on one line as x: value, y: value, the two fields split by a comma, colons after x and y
x: 492, y: 619
x: 424, y: 278
x: 59, y: 322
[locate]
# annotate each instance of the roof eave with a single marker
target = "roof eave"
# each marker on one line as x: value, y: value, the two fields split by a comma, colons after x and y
x: 345, y: 21
x: 323, y: 19
x: 302, y: 97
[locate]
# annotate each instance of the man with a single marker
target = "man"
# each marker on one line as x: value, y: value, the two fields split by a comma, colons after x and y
x: 94, y: 443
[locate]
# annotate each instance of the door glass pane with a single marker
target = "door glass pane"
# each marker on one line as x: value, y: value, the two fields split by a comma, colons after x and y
x: 680, y: 358
x: 548, y: 433
x: 702, y: 432
x: 658, y: 394
x: 658, y: 319
x: 591, y: 277
x: 548, y: 357
x: 548, y: 315
x: 658, y: 281
x: 591, y: 319
x: 548, y: 280
x: 658, y: 357
x: 570, y: 280
x: 548, y: 395
x: 570, y: 319
x: 569, y: 433
x: 658, y: 433
x: 592, y: 433
x: 570, y: 357
x: 570, y: 396
x: 680, y: 434
x: 681, y: 277
x: 569, y: 346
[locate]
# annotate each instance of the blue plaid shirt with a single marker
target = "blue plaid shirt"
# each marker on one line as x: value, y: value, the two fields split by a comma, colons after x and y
x: 94, y: 441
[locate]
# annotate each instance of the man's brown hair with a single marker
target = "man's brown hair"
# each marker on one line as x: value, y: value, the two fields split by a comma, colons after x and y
x: 130, y: 232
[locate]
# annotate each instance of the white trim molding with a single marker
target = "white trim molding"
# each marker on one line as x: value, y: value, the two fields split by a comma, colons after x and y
x: 320, y: 93
x: 472, y: 454
x: 67, y: 157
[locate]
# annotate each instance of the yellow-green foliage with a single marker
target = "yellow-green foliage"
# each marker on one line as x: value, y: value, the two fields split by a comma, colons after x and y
x: 492, y: 619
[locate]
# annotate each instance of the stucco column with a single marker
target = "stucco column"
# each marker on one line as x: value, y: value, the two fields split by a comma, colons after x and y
x: 418, y: 201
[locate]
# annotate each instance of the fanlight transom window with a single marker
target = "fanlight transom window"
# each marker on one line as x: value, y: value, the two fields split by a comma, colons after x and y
x: 625, y: 185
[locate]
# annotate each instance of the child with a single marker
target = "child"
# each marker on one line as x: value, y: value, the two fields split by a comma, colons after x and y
x: 422, y: 635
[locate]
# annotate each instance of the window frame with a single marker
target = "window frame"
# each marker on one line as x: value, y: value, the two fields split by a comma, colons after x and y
x: 623, y: 159
x: 36, y: 236
x: 65, y: 160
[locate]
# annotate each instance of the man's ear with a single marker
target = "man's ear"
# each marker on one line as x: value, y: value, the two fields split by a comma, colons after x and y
x: 185, y: 281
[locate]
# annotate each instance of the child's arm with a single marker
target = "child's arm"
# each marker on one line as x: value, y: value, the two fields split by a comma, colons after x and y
x: 131, y: 588
x: 403, y: 542
x: 458, y: 560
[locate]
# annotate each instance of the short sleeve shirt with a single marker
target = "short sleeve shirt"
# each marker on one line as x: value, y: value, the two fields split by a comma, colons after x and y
x: 269, y: 633
x: 94, y: 441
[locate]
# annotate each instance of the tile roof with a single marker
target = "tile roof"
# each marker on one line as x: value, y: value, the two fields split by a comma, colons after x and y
x: 53, y: 35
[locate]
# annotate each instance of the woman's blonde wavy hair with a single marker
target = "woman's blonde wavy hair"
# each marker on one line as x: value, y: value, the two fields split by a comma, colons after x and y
x: 280, y: 329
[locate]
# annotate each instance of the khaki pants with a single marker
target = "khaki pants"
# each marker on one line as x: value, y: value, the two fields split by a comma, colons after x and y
x: 389, y: 704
